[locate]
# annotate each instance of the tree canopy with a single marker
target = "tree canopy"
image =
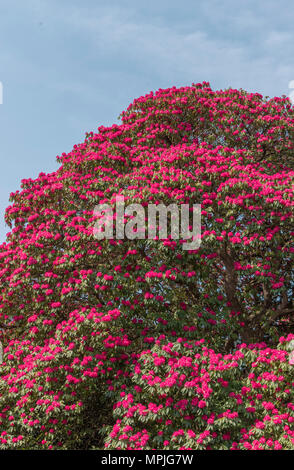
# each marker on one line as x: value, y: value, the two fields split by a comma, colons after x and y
x: 138, y: 343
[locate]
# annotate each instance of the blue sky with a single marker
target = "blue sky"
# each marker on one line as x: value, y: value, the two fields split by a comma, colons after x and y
x: 68, y: 67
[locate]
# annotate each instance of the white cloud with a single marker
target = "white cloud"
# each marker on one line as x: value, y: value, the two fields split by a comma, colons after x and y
x: 279, y: 38
x: 245, y: 47
x: 175, y: 55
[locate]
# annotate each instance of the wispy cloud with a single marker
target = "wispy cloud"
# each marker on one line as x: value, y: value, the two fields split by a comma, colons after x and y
x: 244, y: 53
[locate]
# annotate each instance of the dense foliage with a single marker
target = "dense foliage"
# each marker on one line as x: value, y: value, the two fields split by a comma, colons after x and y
x: 138, y: 343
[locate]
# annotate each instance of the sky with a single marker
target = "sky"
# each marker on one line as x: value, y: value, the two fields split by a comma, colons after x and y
x: 67, y: 67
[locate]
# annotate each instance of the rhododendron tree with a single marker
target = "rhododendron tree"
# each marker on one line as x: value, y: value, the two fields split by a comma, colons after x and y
x: 137, y: 343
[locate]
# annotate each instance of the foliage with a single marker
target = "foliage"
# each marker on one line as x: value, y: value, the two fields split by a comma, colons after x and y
x: 77, y: 313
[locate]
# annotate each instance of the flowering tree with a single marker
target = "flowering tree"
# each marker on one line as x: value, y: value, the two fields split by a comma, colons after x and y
x: 106, y: 341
